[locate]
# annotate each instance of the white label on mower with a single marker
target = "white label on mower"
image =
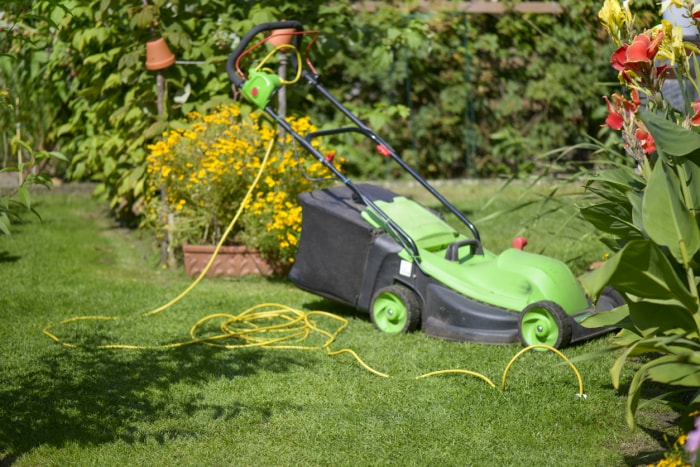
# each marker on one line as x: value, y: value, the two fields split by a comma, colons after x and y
x: 406, y: 268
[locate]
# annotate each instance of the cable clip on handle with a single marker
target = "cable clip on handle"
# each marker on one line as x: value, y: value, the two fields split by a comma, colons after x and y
x: 261, y: 82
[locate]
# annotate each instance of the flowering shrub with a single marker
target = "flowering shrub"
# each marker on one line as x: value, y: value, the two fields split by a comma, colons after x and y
x: 198, y: 176
x: 651, y: 210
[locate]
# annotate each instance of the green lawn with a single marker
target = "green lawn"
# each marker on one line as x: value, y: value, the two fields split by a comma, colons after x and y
x: 200, y: 405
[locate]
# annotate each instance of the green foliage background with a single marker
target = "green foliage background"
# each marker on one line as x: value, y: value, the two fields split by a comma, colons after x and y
x: 458, y: 94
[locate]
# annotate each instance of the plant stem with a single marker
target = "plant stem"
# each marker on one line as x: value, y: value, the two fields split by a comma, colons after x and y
x: 18, y: 130
x: 690, y: 273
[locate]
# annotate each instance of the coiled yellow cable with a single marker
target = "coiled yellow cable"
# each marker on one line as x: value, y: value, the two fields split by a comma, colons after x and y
x: 294, y: 325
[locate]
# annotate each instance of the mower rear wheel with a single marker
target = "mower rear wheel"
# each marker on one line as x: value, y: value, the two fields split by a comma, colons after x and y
x: 395, y: 309
x: 546, y: 323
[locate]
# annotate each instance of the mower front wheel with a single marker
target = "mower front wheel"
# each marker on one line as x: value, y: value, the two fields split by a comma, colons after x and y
x: 546, y: 323
x: 395, y: 309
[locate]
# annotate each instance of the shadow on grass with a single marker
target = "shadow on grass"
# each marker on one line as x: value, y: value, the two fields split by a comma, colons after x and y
x: 93, y: 397
x: 6, y: 257
x: 656, y: 423
x: 330, y: 306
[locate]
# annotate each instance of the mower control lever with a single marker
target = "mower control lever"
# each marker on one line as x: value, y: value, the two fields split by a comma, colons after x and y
x: 242, y: 46
x: 452, y: 253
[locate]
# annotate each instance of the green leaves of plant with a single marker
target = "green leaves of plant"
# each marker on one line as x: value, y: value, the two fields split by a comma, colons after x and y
x: 617, y: 214
x: 675, y: 369
x: 666, y: 218
x: 673, y: 139
x: 613, y: 218
x: 641, y: 269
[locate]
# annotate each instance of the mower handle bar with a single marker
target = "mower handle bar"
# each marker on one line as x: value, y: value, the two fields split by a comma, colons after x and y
x: 375, y: 138
x: 248, y: 38
x: 362, y: 128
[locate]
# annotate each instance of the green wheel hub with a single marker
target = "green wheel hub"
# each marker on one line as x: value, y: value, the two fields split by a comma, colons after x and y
x: 540, y: 327
x: 395, y: 309
x: 390, y: 313
x: 544, y: 323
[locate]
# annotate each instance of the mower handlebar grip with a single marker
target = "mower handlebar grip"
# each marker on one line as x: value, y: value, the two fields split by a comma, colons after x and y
x: 235, y: 78
x: 452, y: 253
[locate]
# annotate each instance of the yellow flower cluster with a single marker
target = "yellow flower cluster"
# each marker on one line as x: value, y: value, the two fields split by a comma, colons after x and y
x: 676, y: 456
x: 199, y: 173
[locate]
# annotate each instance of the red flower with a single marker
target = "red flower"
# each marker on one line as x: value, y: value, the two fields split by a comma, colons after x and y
x: 646, y: 140
x: 643, y: 49
x: 621, y: 107
x: 695, y: 119
x: 615, y: 119
x: 637, y: 56
x: 619, y: 57
x: 636, y: 102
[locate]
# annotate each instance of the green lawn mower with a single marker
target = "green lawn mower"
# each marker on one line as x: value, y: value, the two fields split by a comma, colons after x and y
x: 401, y: 262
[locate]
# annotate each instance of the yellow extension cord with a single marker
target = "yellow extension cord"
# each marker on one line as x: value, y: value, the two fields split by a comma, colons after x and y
x: 294, y: 327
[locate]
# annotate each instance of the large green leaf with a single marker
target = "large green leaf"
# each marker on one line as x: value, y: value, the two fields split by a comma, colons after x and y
x: 608, y: 194
x: 636, y: 199
x: 617, y: 317
x: 641, y: 269
x: 666, y: 219
x: 612, y: 218
x: 671, y: 139
x: 662, y: 316
x: 622, y: 179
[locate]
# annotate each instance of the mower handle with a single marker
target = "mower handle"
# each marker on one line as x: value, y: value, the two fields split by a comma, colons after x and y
x: 242, y: 46
x: 452, y: 253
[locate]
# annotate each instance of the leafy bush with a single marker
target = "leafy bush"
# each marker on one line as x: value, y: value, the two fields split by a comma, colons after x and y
x: 198, y: 176
x: 458, y: 94
x: 19, y: 201
x: 22, y: 97
x: 651, y: 211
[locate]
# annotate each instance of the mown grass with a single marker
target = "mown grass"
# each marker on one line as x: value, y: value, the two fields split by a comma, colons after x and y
x: 200, y: 405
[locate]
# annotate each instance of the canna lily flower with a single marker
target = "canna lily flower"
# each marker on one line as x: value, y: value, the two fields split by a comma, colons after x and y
x: 636, y: 62
x: 615, y: 120
x: 643, y: 49
x: 621, y: 109
x: 617, y: 19
x: 666, y: 4
x: 695, y: 119
x: 619, y: 58
x: 672, y: 48
x: 646, y: 140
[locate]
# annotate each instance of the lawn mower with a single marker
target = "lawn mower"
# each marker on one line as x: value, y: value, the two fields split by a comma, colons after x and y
x: 403, y: 263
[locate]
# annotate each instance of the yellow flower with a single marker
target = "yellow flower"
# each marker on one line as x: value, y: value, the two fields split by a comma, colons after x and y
x: 672, y: 47
x: 211, y: 161
x: 617, y: 19
x: 666, y: 4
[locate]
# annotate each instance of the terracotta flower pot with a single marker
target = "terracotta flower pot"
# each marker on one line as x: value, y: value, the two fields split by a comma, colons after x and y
x: 281, y: 36
x: 158, y: 54
x: 232, y: 261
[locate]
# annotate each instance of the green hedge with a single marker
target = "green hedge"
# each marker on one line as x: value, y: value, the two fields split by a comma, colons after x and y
x: 457, y: 94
